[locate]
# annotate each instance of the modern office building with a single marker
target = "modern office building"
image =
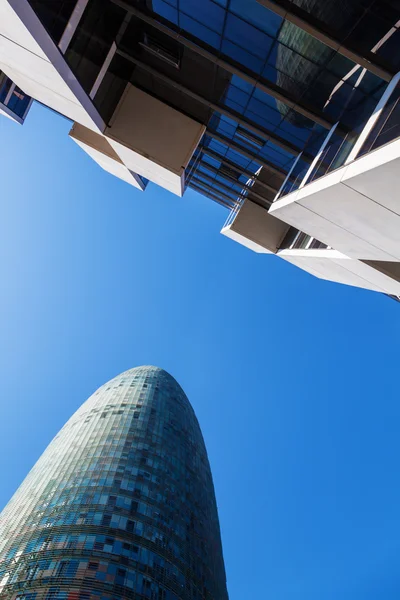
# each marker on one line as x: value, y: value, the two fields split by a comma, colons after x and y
x: 14, y: 104
x: 284, y: 111
x: 120, y: 506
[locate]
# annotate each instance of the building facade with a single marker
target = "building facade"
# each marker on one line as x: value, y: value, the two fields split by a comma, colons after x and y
x: 120, y: 506
x: 283, y: 111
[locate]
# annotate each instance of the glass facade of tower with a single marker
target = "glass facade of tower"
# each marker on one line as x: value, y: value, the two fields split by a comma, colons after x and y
x: 120, y: 505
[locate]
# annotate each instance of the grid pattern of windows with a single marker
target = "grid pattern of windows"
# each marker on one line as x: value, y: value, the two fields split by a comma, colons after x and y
x: 266, y: 87
x: 281, y: 75
x: 121, y: 505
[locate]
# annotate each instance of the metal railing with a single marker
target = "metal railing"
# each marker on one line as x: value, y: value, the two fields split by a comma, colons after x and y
x: 233, y: 214
x: 387, y: 126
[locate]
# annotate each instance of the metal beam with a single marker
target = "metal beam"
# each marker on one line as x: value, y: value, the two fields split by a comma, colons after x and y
x: 264, y: 163
x: 226, y: 63
x: 251, y: 126
x: 319, y: 30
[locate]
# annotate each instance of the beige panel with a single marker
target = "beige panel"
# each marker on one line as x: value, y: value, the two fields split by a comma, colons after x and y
x: 391, y: 269
x: 153, y: 139
x: 98, y: 148
x: 94, y: 140
x: 255, y: 228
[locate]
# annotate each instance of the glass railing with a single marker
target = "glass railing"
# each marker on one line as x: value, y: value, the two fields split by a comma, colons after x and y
x: 333, y: 156
x: 303, y: 241
x: 292, y: 184
x: 387, y: 126
x: 298, y: 240
x: 233, y: 213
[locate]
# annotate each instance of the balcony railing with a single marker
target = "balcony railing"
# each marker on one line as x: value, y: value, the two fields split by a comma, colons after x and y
x: 387, y: 126
x: 382, y: 127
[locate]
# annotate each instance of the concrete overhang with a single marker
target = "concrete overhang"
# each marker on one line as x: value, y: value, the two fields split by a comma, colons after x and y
x: 355, y: 209
x: 153, y: 139
x: 101, y: 151
x: 256, y: 229
x: 334, y: 266
x: 30, y: 58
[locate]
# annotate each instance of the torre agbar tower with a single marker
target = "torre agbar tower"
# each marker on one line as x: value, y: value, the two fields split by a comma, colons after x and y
x: 121, y: 505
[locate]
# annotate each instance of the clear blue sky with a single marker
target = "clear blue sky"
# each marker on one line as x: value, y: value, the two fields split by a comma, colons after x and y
x: 294, y: 381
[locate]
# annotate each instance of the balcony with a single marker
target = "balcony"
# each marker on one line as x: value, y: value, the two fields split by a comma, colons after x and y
x: 349, y: 196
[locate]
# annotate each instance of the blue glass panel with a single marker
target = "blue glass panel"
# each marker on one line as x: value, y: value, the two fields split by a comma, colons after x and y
x: 237, y: 95
x: 205, y: 11
x: 226, y: 129
x: 200, y: 31
x: 242, y: 84
x: 203, y: 169
x: 262, y: 113
x: 243, y: 57
x: 247, y: 36
x: 300, y: 133
x: 276, y: 157
x: 226, y: 125
x: 234, y: 105
x: 211, y: 161
x: 265, y: 98
x: 257, y: 119
x: 165, y: 10
x: 217, y: 146
x: 270, y: 72
x: 253, y: 167
x: 258, y: 15
x: 237, y: 158
x: 291, y: 137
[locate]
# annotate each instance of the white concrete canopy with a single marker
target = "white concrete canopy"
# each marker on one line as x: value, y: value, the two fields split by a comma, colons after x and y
x: 355, y: 209
x: 30, y: 58
x: 334, y: 266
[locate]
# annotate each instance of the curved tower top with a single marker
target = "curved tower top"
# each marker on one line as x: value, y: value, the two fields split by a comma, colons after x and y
x: 121, y: 505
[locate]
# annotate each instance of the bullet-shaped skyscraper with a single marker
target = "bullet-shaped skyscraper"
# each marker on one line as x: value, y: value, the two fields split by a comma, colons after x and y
x: 121, y: 505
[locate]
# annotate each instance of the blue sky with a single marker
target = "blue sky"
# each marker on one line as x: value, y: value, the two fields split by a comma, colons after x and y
x: 294, y: 380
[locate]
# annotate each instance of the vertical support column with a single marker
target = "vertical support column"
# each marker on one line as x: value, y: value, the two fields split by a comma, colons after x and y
x: 103, y: 70
x: 288, y: 176
x: 72, y: 25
